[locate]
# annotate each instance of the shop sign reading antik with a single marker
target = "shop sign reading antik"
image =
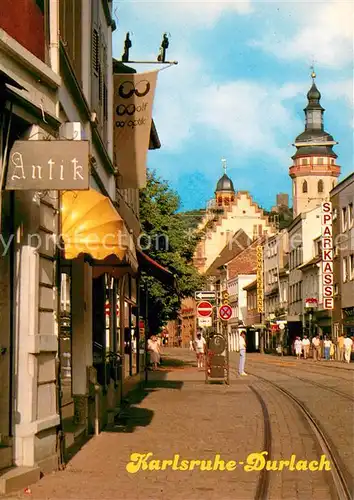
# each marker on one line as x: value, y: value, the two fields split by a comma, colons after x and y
x: 327, y: 255
x: 48, y: 165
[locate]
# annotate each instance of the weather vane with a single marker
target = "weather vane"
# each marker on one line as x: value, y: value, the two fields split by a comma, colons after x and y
x: 313, y: 74
x: 224, y: 166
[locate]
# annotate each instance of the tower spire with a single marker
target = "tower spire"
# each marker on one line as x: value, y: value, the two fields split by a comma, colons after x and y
x: 224, y: 165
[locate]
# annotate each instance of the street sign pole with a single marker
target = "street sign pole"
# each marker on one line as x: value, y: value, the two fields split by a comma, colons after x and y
x: 226, y: 337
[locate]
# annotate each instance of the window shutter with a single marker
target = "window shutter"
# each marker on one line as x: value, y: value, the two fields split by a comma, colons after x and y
x: 95, y: 51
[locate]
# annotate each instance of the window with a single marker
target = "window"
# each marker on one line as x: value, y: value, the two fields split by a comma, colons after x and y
x: 344, y: 219
x: 351, y: 267
x: 70, y: 13
x: 335, y: 214
x: 318, y: 247
x: 320, y: 186
x: 350, y: 216
x: 304, y: 187
x: 320, y: 161
x: 304, y: 161
x: 345, y: 269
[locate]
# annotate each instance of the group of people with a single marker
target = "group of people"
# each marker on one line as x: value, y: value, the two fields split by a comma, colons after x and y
x: 343, y: 347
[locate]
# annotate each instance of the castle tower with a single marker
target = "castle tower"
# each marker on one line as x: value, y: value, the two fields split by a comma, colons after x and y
x: 225, y: 192
x: 314, y: 171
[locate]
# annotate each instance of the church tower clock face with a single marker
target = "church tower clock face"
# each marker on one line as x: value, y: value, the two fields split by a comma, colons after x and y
x: 314, y: 170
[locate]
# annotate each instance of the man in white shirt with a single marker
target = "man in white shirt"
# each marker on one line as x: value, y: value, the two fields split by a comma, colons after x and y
x: 316, y: 344
x: 242, y: 344
x: 306, y: 346
x: 199, y: 346
x: 348, y: 344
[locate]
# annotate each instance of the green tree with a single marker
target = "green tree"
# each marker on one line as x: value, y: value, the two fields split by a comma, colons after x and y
x: 172, y: 244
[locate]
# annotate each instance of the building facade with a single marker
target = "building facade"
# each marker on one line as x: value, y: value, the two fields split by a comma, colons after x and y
x: 226, y: 214
x: 342, y: 198
x: 72, y: 338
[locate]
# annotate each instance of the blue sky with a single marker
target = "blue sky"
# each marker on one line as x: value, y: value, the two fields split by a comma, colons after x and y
x: 240, y: 87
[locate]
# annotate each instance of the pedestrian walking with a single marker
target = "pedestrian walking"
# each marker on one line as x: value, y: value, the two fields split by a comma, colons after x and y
x: 327, y: 348
x: 242, y: 362
x: 298, y: 347
x: 348, y: 344
x: 200, y: 345
x: 332, y: 352
x: 191, y: 346
x: 154, y: 351
x: 316, y: 345
x: 340, y: 348
x: 306, y: 346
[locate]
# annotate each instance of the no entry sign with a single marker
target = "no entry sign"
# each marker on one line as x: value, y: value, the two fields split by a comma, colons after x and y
x: 204, y: 309
x: 225, y: 312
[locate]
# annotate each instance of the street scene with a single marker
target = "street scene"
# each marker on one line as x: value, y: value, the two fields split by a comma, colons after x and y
x: 176, y: 250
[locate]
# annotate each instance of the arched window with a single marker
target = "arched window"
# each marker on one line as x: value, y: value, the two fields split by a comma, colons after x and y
x: 304, y: 187
x: 320, y: 186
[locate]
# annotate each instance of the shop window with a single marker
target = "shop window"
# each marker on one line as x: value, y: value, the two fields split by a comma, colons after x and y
x: 65, y: 336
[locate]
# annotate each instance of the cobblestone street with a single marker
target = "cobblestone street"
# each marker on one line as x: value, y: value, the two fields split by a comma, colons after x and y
x: 177, y: 413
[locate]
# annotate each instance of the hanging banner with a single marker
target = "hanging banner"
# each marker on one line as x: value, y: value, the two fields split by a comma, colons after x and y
x: 132, y: 118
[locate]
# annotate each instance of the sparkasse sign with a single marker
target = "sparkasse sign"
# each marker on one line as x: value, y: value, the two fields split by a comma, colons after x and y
x: 48, y: 165
x: 327, y: 255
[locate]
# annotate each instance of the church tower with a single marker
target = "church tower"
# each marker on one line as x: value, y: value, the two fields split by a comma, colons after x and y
x: 225, y: 192
x: 314, y: 171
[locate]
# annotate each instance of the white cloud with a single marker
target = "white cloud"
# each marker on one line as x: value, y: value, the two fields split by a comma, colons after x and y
x: 248, y: 118
x: 324, y: 34
x: 186, y: 13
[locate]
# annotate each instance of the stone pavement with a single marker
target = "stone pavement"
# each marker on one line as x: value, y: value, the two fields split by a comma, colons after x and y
x: 177, y: 413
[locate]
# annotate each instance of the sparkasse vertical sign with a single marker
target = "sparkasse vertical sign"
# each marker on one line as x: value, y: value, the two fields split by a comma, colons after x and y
x: 327, y: 255
x: 259, y: 253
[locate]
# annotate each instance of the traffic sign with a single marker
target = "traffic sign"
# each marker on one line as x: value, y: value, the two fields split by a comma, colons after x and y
x: 225, y: 312
x: 204, y: 309
x: 205, y: 295
x: 205, y: 322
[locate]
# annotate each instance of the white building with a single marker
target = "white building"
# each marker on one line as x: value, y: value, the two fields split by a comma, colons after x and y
x: 238, y: 302
x: 303, y: 230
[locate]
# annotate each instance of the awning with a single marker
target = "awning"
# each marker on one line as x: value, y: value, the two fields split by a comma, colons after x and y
x: 155, y: 269
x: 91, y: 225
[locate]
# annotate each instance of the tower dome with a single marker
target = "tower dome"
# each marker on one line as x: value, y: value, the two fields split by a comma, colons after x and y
x: 224, y: 184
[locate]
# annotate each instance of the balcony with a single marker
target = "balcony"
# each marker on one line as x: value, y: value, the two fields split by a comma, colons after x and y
x: 333, y: 170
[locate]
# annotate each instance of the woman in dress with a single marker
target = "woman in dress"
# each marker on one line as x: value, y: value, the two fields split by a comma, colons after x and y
x: 298, y: 347
x: 154, y: 351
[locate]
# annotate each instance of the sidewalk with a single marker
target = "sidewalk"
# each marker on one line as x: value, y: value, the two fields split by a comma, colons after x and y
x: 177, y: 413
